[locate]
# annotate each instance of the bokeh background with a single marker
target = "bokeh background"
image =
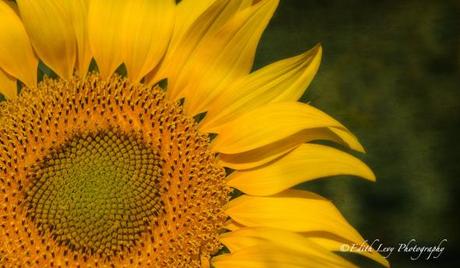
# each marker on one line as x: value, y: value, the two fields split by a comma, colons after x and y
x: 390, y: 72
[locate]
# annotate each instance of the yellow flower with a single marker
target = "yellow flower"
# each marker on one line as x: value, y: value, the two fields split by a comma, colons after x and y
x: 103, y: 170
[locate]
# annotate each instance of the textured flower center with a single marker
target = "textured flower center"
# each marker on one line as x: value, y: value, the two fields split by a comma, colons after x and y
x: 98, y: 172
x: 97, y: 192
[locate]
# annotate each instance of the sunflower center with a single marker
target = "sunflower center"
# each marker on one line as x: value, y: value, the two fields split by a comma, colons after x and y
x: 104, y: 171
x: 97, y: 192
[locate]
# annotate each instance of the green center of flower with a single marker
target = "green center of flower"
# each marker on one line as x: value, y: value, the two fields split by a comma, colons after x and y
x: 97, y: 192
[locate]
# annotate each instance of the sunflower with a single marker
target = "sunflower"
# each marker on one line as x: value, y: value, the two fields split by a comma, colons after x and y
x: 134, y: 134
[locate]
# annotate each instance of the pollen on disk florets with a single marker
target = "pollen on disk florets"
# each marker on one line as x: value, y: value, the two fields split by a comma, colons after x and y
x: 105, y: 172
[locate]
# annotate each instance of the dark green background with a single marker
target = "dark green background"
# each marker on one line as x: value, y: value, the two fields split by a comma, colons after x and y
x: 390, y: 72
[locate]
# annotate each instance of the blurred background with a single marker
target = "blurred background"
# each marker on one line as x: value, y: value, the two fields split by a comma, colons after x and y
x: 390, y: 72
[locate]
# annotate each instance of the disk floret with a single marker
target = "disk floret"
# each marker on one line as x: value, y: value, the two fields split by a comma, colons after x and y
x: 97, y: 192
x: 101, y: 171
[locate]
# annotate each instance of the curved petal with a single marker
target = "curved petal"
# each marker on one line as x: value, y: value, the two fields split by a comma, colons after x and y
x: 269, y: 124
x: 231, y: 225
x: 270, y: 255
x: 347, y: 138
x: 293, y: 210
x: 147, y: 28
x: 50, y: 27
x: 315, y: 243
x: 16, y: 54
x: 248, y: 237
x: 187, y: 12
x: 224, y: 57
x: 79, y: 13
x: 263, y: 155
x: 282, y: 81
x: 260, y: 156
x: 334, y: 243
x: 8, y: 85
x: 202, y: 20
x: 105, y: 40
x: 138, y: 35
x: 307, y: 162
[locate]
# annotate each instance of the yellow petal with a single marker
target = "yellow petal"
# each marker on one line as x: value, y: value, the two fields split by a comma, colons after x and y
x: 224, y: 57
x: 305, y: 163
x: 231, y: 225
x: 334, y: 243
x: 297, y: 211
x: 50, y: 27
x: 16, y: 54
x: 268, y: 124
x: 196, y: 22
x: 105, y: 40
x: 79, y: 13
x: 211, y: 58
x: 187, y: 12
x: 8, y: 86
x: 347, y: 138
x: 146, y: 30
x: 260, y: 156
x: 249, y: 237
x: 138, y: 35
x: 282, y: 81
x: 271, y: 256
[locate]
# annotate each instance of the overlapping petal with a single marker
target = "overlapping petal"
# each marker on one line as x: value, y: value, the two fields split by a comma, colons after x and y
x: 224, y: 57
x: 188, y: 11
x: 282, y: 81
x: 248, y: 237
x: 265, y: 154
x: 241, y: 237
x: 196, y: 22
x: 297, y: 211
x: 305, y: 163
x: 50, y: 27
x: 138, y: 34
x: 8, y: 85
x: 16, y: 54
x: 301, y: 212
x: 146, y: 31
x: 268, y: 124
x: 218, y: 48
x: 79, y: 13
x: 336, y: 243
x: 105, y: 40
x: 269, y: 255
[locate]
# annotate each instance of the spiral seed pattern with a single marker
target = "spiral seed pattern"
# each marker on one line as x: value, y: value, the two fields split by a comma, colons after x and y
x: 97, y: 192
x: 106, y: 173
